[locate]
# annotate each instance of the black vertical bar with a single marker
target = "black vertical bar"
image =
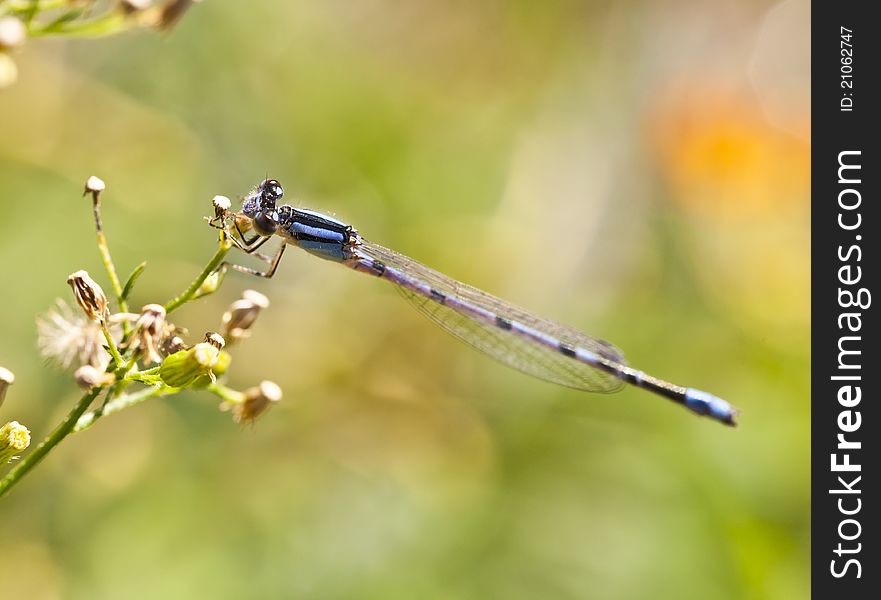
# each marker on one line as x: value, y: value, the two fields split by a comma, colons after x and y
x: 846, y: 169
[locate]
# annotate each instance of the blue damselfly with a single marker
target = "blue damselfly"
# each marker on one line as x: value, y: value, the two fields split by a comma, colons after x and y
x: 511, y: 335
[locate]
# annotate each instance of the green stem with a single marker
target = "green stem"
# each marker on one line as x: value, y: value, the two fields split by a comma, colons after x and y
x: 61, y: 431
x: 107, y: 24
x: 28, y: 9
x: 150, y: 377
x: 212, y: 266
x: 111, y: 347
x: 104, y: 251
x: 224, y: 393
x: 116, y: 405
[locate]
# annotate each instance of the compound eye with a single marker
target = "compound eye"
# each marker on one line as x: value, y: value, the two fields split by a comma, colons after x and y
x: 265, y: 224
x: 272, y: 190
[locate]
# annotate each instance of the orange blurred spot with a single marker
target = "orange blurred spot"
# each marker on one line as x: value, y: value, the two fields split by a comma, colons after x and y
x: 719, y: 154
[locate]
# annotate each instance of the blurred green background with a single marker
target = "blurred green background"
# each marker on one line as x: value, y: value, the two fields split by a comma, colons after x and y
x: 637, y: 169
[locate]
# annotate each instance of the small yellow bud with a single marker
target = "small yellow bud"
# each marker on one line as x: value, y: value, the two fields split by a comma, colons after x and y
x: 209, y: 285
x: 89, y: 295
x: 14, y: 438
x: 222, y: 365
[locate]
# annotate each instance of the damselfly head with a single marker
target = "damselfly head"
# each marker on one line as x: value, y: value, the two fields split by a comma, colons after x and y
x: 270, y: 193
x: 262, y: 198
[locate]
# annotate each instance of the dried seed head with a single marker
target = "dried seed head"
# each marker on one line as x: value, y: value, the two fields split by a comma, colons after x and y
x: 240, y: 316
x: 68, y: 338
x: 14, y: 438
x: 88, y: 377
x: 150, y: 330
x: 6, y: 379
x: 13, y: 32
x: 256, y: 401
x: 89, y: 295
x: 183, y: 368
x: 94, y: 185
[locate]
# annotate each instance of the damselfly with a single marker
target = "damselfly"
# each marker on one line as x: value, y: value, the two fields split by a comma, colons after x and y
x: 508, y: 334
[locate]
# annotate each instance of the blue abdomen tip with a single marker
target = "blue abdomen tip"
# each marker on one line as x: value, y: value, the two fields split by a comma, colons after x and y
x: 709, y: 405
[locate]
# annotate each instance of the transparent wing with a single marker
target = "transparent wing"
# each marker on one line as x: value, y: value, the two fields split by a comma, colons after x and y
x: 531, y: 358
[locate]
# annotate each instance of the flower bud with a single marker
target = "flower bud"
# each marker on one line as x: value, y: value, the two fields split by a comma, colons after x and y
x: 172, y: 344
x: 183, y: 368
x: 14, y: 438
x: 221, y: 205
x: 209, y: 285
x: 88, y: 295
x: 240, y: 316
x: 224, y: 360
x: 6, y: 379
x: 215, y: 339
x: 88, y: 377
x: 94, y: 185
x: 256, y: 401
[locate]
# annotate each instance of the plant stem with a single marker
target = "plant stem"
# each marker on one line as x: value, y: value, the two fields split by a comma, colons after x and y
x: 109, y: 23
x: 111, y: 347
x: 148, y: 377
x: 104, y: 251
x: 116, y: 405
x: 188, y: 294
x: 61, y: 431
x: 224, y: 393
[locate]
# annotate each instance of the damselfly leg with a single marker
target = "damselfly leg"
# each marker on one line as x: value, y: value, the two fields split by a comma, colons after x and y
x: 272, y: 261
x: 221, y: 221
